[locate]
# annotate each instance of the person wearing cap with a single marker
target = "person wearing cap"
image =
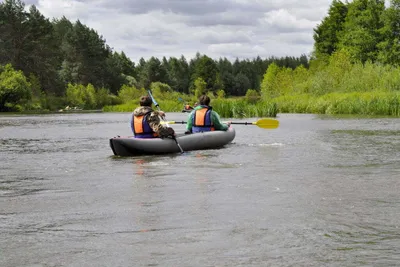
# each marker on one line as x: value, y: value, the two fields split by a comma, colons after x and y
x: 146, y: 122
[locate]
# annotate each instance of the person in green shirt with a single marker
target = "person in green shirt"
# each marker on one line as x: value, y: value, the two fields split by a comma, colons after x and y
x: 204, y: 119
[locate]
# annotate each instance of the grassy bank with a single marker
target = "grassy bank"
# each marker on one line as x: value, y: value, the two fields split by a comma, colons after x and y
x: 367, y: 103
x: 361, y: 103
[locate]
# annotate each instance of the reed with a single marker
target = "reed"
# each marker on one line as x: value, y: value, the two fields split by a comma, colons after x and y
x: 362, y: 103
x: 165, y: 105
x: 240, y: 108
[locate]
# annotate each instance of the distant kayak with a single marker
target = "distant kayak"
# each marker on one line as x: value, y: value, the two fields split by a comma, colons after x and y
x: 187, y: 110
x: 130, y: 146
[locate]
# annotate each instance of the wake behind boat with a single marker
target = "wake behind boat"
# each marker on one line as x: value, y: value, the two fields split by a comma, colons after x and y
x: 130, y: 146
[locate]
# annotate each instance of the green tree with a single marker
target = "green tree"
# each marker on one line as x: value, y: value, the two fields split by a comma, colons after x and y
x: 241, y: 84
x: 44, y: 56
x: 151, y: 72
x: 389, y: 47
x: 200, y: 87
x: 225, y: 70
x: 206, y: 69
x: 228, y: 81
x: 178, y: 74
x: 14, y: 30
x: 218, y: 85
x: 184, y: 75
x: 268, y: 84
x: 360, y: 34
x: 126, y: 65
x: 326, y: 33
x: 14, y: 88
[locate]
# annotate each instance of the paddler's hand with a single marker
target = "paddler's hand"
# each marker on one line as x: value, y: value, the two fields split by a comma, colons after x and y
x: 162, y: 114
x: 228, y: 123
x: 171, y: 131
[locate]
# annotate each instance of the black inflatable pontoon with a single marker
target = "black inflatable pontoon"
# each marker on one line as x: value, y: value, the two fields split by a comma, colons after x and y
x: 130, y: 146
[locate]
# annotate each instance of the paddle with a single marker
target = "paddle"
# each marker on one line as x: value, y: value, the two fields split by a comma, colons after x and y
x: 158, y: 106
x: 264, y: 123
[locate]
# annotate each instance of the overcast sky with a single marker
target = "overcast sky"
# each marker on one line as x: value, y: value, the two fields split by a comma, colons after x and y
x: 217, y: 28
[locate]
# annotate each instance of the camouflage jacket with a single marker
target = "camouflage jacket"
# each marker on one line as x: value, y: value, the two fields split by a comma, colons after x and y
x: 154, y: 120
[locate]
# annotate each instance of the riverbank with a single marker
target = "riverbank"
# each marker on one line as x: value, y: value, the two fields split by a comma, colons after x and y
x: 355, y: 103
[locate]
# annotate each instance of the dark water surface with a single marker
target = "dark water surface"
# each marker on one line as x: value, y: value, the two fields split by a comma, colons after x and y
x: 314, y: 192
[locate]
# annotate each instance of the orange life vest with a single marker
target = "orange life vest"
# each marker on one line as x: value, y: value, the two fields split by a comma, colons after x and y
x: 202, y: 121
x: 141, y: 128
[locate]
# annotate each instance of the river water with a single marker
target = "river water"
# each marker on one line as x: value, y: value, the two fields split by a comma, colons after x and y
x: 317, y: 191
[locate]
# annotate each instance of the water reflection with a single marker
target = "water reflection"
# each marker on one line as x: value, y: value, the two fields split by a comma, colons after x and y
x: 139, y: 166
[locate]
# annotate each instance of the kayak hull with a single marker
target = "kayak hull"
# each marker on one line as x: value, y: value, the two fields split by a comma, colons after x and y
x: 130, y: 146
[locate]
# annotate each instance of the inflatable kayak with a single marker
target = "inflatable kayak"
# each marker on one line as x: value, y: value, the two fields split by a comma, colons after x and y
x: 130, y: 146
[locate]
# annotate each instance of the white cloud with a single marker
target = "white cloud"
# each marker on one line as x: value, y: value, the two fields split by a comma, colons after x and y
x: 217, y: 28
x: 284, y: 21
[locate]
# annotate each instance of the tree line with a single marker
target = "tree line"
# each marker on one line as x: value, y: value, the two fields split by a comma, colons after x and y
x: 55, y: 53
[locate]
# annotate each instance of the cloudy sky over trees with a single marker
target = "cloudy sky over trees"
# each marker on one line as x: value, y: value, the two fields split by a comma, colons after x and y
x: 217, y: 28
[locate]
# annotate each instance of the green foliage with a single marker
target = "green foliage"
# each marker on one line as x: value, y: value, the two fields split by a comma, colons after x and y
x: 129, y: 93
x: 160, y: 88
x: 240, y: 108
x: 221, y: 93
x: 301, y: 80
x: 326, y: 33
x: 360, y: 34
x: 103, y: 98
x: 252, y: 96
x: 219, y: 84
x: 389, y: 47
x: 167, y: 105
x: 206, y: 69
x: 14, y: 89
x: 75, y: 95
x: 152, y: 71
x: 240, y: 84
x: 269, y: 88
x: 130, y: 81
x: 199, y: 87
x: 85, y: 97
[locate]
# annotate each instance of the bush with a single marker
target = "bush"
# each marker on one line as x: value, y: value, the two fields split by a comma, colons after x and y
x: 14, y: 89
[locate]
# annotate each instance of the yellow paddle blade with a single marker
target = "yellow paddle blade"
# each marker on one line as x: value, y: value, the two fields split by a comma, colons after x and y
x: 262, y: 123
x: 267, y: 123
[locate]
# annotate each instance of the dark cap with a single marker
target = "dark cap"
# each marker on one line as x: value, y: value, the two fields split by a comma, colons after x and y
x: 145, y: 101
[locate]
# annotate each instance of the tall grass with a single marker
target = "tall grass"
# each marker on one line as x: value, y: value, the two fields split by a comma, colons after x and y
x: 240, y: 108
x: 226, y: 107
x: 363, y: 103
x: 165, y: 105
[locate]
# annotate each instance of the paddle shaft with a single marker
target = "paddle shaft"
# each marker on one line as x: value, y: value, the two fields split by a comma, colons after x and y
x: 243, y: 123
x: 264, y: 123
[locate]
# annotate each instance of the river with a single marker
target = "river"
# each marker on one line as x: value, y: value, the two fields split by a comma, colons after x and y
x: 317, y: 191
